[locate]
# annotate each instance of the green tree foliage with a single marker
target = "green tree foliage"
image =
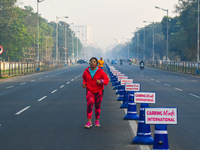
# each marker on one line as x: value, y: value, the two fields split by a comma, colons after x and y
x: 182, y: 35
x: 18, y: 34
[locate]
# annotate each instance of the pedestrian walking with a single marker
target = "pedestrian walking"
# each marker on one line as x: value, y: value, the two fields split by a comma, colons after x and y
x: 101, y: 63
x: 94, y: 79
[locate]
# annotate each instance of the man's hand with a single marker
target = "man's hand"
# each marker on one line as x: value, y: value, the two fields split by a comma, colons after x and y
x: 84, y: 85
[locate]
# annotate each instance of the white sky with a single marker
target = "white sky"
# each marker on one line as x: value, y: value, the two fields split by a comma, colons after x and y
x: 110, y: 19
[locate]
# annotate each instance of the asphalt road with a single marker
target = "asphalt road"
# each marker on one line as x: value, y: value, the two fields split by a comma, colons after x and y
x: 47, y: 111
x: 173, y: 90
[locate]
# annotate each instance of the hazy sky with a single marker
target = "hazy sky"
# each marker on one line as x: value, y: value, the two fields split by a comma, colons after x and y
x: 110, y: 19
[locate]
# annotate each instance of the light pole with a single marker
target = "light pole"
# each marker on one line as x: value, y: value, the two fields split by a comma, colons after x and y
x: 38, y: 1
x: 144, y: 44
x: 77, y: 46
x: 197, y: 71
x: 167, y: 29
x: 66, y: 61
x: 153, y: 37
x: 57, y: 36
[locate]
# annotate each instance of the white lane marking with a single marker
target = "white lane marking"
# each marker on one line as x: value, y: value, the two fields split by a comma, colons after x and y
x: 194, y: 95
x: 23, y: 83
x: 62, y: 86
x: 134, y: 126
x: 42, y: 98
x: 152, y: 79
x: 9, y: 87
x: 72, y: 80
x: 147, y: 77
x: 32, y: 80
x: 46, y: 76
x: 40, y: 78
x: 75, y: 77
x: 54, y: 91
x: 194, y: 80
x: 21, y: 111
x: 67, y: 82
x: 178, y: 89
x: 157, y: 81
x: 166, y: 84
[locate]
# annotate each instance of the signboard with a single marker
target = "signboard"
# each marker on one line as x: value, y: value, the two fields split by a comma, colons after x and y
x: 145, y: 97
x: 161, y: 115
x: 122, y: 77
x: 132, y: 87
x: 116, y: 73
x: 123, y: 81
x: 1, y: 49
x: 120, y: 74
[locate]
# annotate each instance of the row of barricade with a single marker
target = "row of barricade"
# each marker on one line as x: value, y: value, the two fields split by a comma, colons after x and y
x: 130, y: 93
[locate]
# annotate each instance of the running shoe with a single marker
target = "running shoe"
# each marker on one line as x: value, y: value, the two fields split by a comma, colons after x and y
x: 88, y: 125
x: 97, y: 123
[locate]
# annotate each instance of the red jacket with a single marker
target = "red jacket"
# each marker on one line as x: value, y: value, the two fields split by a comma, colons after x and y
x: 91, y: 84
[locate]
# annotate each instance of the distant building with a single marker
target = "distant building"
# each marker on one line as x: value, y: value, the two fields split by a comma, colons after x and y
x: 84, y: 33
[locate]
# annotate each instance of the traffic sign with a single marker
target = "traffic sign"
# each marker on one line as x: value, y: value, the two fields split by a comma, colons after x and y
x: 1, y: 49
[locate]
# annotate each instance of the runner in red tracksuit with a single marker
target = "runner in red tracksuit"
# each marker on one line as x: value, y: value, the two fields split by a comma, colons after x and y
x: 94, y: 79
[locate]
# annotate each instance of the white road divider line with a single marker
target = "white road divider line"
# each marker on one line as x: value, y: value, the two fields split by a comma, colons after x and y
x: 194, y: 80
x: 46, y: 76
x: 178, y: 89
x: 72, y: 80
x: 9, y: 87
x: 32, y: 80
x: 23, y: 83
x: 166, y: 84
x: 62, y: 86
x: 42, y: 98
x: 54, y: 91
x: 134, y: 126
x: 67, y: 82
x: 152, y: 79
x: 40, y: 78
x: 157, y: 81
x: 21, y: 111
x: 75, y: 77
x: 194, y: 95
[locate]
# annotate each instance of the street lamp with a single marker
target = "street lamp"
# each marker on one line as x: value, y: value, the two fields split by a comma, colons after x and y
x: 167, y: 28
x: 38, y: 1
x: 197, y: 71
x: 57, y: 36
x: 153, y: 36
x: 66, y: 61
x: 77, y: 46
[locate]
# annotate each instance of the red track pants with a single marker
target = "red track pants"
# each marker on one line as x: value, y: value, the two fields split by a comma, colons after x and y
x: 94, y: 98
